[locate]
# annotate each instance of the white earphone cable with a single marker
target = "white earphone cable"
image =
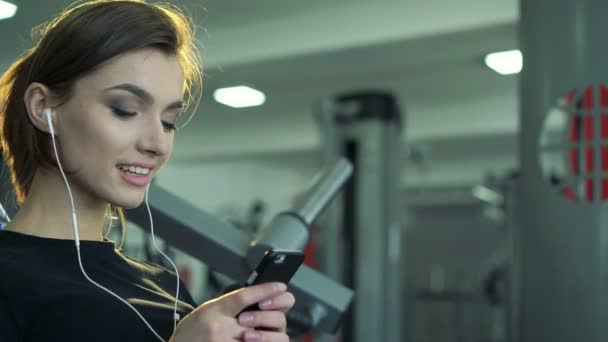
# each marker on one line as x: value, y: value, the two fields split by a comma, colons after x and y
x: 47, y: 113
x: 175, y: 315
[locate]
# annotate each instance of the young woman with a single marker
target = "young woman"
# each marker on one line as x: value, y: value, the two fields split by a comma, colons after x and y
x: 87, y: 119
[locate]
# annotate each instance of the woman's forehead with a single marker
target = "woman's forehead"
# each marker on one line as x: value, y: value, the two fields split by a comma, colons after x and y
x: 158, y: 73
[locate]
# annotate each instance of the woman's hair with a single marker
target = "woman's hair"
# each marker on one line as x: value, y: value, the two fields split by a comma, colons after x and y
x: 72, y: 46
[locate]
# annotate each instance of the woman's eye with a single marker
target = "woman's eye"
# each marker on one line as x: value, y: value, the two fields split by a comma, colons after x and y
x: 169, y: 126
x: 122, y: 113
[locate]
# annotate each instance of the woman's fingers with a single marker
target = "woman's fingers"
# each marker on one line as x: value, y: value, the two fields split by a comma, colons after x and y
x: 274, y: 320
x: 264, y: 336
x: 283, y: 302
x: 234, y: 302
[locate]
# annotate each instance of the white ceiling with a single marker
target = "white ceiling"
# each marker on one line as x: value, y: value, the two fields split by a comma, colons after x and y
x: 427, y: 52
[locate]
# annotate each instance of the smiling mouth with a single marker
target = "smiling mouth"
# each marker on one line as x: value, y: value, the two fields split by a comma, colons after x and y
x: 134, y: 170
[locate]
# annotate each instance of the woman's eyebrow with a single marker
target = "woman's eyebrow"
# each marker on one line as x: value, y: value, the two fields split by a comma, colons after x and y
x: 143, y: 94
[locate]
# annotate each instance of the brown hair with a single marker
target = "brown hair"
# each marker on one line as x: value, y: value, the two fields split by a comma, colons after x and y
x: 72, y: 46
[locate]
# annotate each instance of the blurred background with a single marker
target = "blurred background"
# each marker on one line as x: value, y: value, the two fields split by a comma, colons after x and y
x: 453, y: 159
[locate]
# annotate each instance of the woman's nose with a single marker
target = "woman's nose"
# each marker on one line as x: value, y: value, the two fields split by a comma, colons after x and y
x: 154, y: 139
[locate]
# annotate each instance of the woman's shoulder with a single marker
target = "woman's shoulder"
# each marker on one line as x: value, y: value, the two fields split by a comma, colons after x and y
x: 22, y: 248
x: 13, y: 251
x: 35, y: 261
x: 21, y: 266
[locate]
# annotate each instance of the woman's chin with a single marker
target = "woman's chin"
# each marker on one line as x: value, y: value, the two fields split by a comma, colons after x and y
x: 129, y: 203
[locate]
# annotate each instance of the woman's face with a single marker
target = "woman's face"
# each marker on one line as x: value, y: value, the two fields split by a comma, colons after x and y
x: 117, y: 129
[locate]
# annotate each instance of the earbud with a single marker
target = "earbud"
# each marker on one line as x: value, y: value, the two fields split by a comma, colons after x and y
x: 47, y: 113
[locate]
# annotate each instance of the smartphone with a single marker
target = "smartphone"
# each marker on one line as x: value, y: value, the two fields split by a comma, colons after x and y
x: 275, y: 266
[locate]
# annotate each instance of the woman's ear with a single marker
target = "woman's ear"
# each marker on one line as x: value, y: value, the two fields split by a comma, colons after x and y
x: 38, y: 103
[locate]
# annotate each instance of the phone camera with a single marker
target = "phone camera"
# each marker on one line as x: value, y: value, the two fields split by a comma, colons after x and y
x: 279, y: 259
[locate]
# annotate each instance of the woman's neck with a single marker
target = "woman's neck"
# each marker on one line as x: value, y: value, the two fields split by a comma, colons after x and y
x: 46, y: 211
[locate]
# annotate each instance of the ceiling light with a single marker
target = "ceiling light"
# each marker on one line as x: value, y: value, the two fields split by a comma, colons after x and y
x: 7, y: 10
x: 239, y: 96
x: 505, y: 62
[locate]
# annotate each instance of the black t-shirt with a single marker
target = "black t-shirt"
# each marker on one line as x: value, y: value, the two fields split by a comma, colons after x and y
x: 45, y: 297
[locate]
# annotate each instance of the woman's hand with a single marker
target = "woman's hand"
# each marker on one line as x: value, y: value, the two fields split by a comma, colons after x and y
x: 272, y: 314
x: 217, y: 320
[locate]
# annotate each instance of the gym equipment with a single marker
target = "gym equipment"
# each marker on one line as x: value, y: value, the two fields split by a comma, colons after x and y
x: 561, y: 240
x: 361, y: 233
